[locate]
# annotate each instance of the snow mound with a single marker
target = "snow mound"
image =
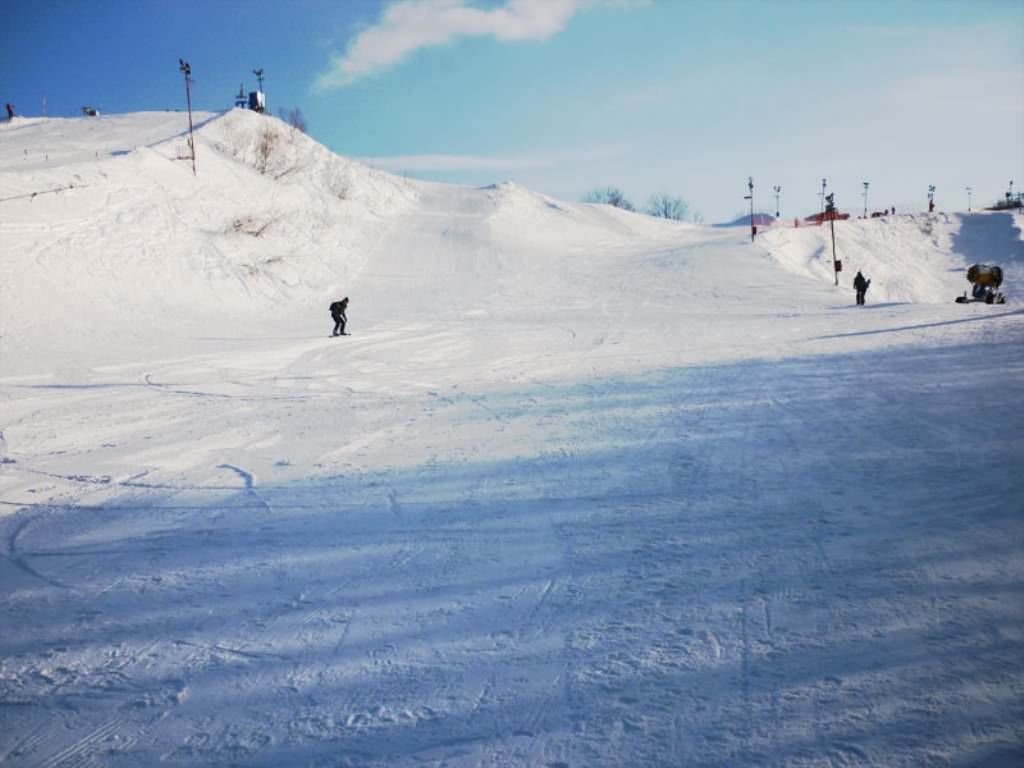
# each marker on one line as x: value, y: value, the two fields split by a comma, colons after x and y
x: 909, y: 258
x: 283, y: 153
x: 109, y: 235
x: 541, y: 223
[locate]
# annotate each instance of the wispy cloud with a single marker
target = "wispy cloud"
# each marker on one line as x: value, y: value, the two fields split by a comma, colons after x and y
x: 536, y: 161
x: 441, y: 163
x: 409, y: 25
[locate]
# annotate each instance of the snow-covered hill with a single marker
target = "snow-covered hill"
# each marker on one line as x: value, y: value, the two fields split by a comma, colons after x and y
x: 583, y: 488
x: 910, y: 258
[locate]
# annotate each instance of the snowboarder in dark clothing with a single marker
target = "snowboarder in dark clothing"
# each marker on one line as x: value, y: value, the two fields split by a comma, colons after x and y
x: 861, y: 283
x: 10, y: 111
x: 338, y: 313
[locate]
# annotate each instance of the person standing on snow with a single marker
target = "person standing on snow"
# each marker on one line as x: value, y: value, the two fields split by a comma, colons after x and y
x: 10, y: 111
x: 338, y: 313
x: 861, y: 283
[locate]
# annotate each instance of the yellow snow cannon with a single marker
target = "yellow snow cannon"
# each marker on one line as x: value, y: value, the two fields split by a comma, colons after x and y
x: 985, y: 279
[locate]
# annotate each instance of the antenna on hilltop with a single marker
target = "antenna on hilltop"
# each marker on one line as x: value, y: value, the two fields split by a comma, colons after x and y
x: 260, y: 102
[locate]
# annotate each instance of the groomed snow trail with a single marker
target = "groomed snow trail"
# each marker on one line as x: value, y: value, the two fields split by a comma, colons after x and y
x: 581, y: 489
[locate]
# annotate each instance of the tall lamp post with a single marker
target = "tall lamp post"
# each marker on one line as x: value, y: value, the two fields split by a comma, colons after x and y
x: 777, y: 190
x: 186, y: 70
x: 750, y: 197
x: 830, y: 213
x: 865, y: 199
x: 969, y: 191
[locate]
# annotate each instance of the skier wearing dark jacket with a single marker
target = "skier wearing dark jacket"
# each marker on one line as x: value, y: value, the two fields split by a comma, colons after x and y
x: 338, y: 313
x: 861, y: 283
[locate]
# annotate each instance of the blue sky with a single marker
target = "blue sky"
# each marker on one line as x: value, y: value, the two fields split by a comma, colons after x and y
x: 688, y: 97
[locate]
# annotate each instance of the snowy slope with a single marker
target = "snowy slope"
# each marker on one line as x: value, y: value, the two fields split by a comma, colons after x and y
x: 910, y: 258
x: 583, y: 488
x: 132, y: 242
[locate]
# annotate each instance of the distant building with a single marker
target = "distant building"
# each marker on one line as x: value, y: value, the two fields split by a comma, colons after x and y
x: 256, y: 101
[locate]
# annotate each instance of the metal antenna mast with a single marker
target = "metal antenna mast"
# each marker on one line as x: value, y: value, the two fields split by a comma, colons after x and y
x: 259, y: 78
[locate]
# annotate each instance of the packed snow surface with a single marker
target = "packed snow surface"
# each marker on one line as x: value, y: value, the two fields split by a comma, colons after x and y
x: 582, y: 488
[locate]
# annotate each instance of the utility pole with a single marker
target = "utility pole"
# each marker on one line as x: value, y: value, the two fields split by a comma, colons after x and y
x: 865, y: 199
x: 969, y: 191
x: 830, y: 211
x: 823, y: 184
x: 259, y: 78
x: 777, y: 190
x: 186, y: 70
x: 750, y: 197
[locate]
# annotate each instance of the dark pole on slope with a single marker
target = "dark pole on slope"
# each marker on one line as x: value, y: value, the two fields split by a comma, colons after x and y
x: 750, y: 197
x: 969, y: 191
x: 777, y: 190
x: 186, y: 69
x: 830, y: 212
x: 865, y: 199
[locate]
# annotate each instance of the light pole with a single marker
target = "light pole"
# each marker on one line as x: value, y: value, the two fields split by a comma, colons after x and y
x: 777, y: 190
x: 750, y: 197
x: 823, y: 184
x: 865, y: 199
x: 969, y: 191
x: 830, y: 211
x: 186, y: 70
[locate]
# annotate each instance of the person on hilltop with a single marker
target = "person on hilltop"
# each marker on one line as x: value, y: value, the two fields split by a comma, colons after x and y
x: 860, y: 284
x: 10, y: 111
x: 338, y: 313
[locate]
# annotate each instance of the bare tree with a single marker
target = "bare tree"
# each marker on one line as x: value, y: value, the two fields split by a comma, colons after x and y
x: 265, y: 149
x: 609, y: 196
x: 293, y: 117
x: 665, y: 206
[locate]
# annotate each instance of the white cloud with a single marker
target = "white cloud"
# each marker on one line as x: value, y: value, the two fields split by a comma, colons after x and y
x: 409, y: 25
x: 441, y: 163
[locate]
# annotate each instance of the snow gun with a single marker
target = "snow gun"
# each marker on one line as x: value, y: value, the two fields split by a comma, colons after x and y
x: 985, y: 279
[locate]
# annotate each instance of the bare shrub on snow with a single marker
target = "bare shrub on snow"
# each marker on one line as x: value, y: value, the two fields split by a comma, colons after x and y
x: 294, y: 118
x: 251, y: 226
x: 265, y: 148
x: 666, y: 206
x: 609, y: 196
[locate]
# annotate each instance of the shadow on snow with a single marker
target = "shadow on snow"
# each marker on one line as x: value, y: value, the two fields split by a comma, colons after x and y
x: 813, y: 559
